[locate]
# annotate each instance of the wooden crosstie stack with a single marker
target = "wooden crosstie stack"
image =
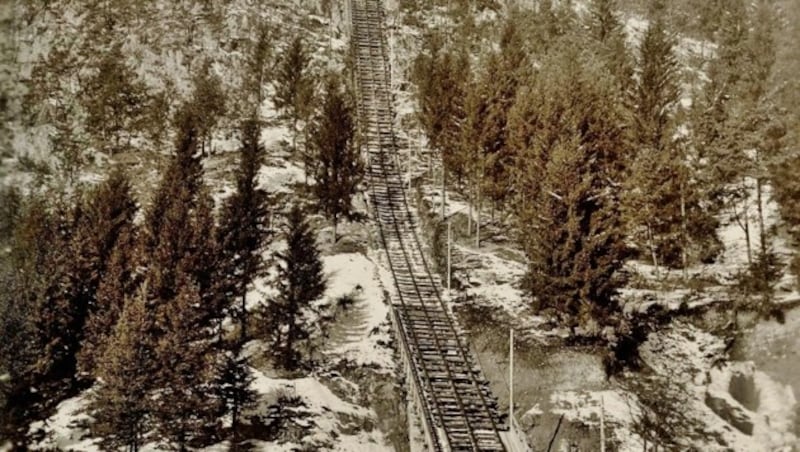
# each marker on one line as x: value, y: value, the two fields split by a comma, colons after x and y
x: 458, y: 411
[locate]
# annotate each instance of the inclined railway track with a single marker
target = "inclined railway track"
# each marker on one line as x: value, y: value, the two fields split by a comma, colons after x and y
x: 459, y: 412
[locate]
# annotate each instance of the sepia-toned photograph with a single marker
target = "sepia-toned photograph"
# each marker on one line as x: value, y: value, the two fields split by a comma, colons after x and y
x: 400, y: 225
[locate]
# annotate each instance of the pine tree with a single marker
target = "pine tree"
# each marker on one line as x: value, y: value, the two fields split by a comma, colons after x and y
x: 300, y: 282
x: 117, y: 282
x: 571, y: 144
x: 441, y: 76
x: 184, y: 413
x: 120, y: 406
x: 181, y: 257
x: 500, y: 84
x: 258, y: 62
x: 233, y: 380
x: 10, y: 210
x: 108, y: 217
x: 740, y: 138
x: 18, y: 341
x: 114, y: 100
x: 294, y: 86
x: 37, y: 344
x: 243, y: 231
x: 606, y: 28
x: 242, y: 236
x: 60, y: 309
x: 339, y: 170
x: 665, y: 207
x: 576, y: 246
x: 166, y: 238
x: 657, y: 88
x: 208, y: 100
x: 787, y: 195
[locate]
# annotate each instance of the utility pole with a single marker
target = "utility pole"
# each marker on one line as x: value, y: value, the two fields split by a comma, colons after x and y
x: 511, y: 376
x: 444, y: 190
x: 602, y: 426
x: 449, y: 258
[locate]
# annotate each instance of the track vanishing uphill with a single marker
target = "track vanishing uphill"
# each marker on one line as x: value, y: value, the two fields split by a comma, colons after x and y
x: 459, y: 412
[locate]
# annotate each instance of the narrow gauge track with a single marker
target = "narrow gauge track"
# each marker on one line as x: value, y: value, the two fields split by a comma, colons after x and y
x: 458, y: 409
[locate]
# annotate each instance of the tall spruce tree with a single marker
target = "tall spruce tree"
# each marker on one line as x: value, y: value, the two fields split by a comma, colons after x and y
x: 441, y: 75
x: 339, y: 169
x: 572, y: 146
x: 666, y: 209
x: 37, y: 340
x: 177, y: 244
x: 108, y: 218
x: 121, y: 406
x: 114, y: 100
x: 258, y: 62
x: 606, y: 28
x: 233, y: 386
x: 577, y: 246
x: 243, y: 231
x: 185, y: 412
x: 242, y: 236
x: 208, y: 99
x: 29, y: 248
x: 300, y: 281
x: 657, y: 87
x: 294, y: 86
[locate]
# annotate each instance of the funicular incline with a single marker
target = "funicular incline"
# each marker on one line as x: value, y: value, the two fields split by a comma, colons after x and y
x: 458, y: 411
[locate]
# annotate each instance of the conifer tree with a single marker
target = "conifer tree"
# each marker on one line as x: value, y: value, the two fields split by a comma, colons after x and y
x: 180, y: 255
x: 36, y: 342
x: 233, y: 382
x: 787, y: 195
x: 300, y: 282
x: 114, y: 100
x: 242, y: 235
x: 743, y: 136
x: 571, y: 146
x: 60, y: 309
x: 606, y: 28
x: 10, y: 210
x: 258, y: 62
x: 665, y: 208
x: 294, y: 86
x: 19, y: 404
x: 185, y: 411
x: 120, y: 406
x: 339, y: 170
x: 576, y: 246
x: 108, y: 216
x: 657, y: 88
x: 243, y: 231
x: 165, y: 237
x: 441, y: 77
x: 118, y: 281
x: 208, y: 100
x: 500, y: 86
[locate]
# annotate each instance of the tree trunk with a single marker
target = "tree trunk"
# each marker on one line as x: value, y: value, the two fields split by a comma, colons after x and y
x: 762, y: 236
x: 335, y: 223
x: 294, y: 137
x: 652, y: 246
x: 684, y: 238
x: 478, y: 219
x: 469, y: 211
x: 243, y: 332
x: 746, y: 224
x: 235, y: 424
